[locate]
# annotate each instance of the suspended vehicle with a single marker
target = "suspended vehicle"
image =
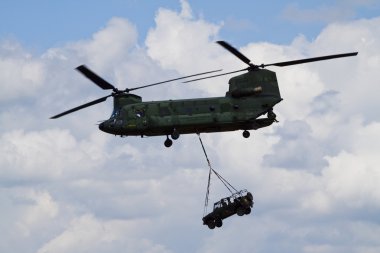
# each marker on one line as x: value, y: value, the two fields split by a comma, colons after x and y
x: 239, y: 203
x: 250, y: 96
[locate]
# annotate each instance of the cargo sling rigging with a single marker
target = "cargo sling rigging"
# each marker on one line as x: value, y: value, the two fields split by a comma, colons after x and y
x: 211, y: 170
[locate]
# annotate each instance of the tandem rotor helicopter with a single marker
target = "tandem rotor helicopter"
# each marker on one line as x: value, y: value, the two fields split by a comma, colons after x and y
x: 250, y: 95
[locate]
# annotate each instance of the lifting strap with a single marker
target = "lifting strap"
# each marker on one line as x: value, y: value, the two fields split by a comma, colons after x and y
x: 223, y: 180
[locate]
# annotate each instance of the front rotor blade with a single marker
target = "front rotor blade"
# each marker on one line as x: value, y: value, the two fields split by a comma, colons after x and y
x: 235, y: 52
x: 153, y: 84
x: 95, y: 78
x: 216, y: 75
x: 81, y: 107
x: 321, y: 58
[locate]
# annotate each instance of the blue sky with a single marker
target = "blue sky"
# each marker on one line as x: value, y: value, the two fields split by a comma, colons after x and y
x: 67, y: 187
x: 42, y: 24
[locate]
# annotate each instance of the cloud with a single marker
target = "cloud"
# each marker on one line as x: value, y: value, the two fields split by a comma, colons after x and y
x: 86, y: 233
x: 357, y: 85
x: 67, y: 187
x: 38, y: 214
x: 296, y: 149
x: 359, y: 181
x: 99, y: 53
x: 172, y: 43
x: 46, y: 155
x: 21, y: 74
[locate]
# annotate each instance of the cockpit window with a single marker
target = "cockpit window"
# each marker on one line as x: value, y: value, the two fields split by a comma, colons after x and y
x: 115, y: 113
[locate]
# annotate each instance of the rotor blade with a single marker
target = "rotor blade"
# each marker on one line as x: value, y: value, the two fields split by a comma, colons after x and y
x: 95, y: 78
x: 81, y: 107
x: 153, y: 84
x: 321, y: 58
x: 216, y: 75
x: 235, y: 52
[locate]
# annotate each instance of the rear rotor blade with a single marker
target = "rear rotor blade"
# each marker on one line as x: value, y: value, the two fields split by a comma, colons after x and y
x: 321, y: 58
x: 175, y: 79
x: 97, y: 101
x: 216, y: 75
x: 95, y: 78
x: 235, y: 52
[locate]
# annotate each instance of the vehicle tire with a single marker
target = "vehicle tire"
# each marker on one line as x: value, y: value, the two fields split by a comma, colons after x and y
x: 246, y: 134
x: 218, y: 223
x: 211, y: 224
x: 247, y: 211
x: 240, y: 211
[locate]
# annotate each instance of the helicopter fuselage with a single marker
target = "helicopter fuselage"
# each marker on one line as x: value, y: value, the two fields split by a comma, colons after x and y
x: 250, y: 96
x: 189, y: 116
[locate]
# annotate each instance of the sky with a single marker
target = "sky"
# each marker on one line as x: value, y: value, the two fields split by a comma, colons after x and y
x: 65, y: 186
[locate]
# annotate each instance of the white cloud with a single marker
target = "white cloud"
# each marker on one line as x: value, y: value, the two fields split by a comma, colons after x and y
x: 110, y: 45
x: 172, y: 42
x: 357, y: 85
x: 353, y: 176
x: 89, y: 191
x: 37, y: 215
x: 21, y: 74
x: 47, y: 155
x: 86, y: 233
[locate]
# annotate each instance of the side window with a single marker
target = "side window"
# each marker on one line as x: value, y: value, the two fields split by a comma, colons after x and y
x: 140, y: 113
x: 217, y: 205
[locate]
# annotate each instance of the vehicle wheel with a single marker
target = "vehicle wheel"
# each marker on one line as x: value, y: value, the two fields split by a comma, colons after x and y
x: 247, y: 211
x: 246, y: 134
x: 211, y: 224
x: 168, y: 143
x: 175, y: 134
x: 218, y: 223
x: 240, y: 211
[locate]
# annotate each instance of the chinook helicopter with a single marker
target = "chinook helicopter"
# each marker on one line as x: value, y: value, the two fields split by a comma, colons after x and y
x: 250, y: 96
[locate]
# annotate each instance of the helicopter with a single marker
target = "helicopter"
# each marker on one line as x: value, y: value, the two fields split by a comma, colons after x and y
x: 250, y: 96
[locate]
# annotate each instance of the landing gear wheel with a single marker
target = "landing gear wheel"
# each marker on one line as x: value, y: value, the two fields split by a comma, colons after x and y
x: 218, y: 223
x: 247, y: 211
x: 168, y: 143
x: 175, y: 134
x: 246, y: 134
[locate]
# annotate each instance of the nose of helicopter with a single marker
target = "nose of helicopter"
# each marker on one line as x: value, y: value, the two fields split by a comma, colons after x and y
x: 102, y: 126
